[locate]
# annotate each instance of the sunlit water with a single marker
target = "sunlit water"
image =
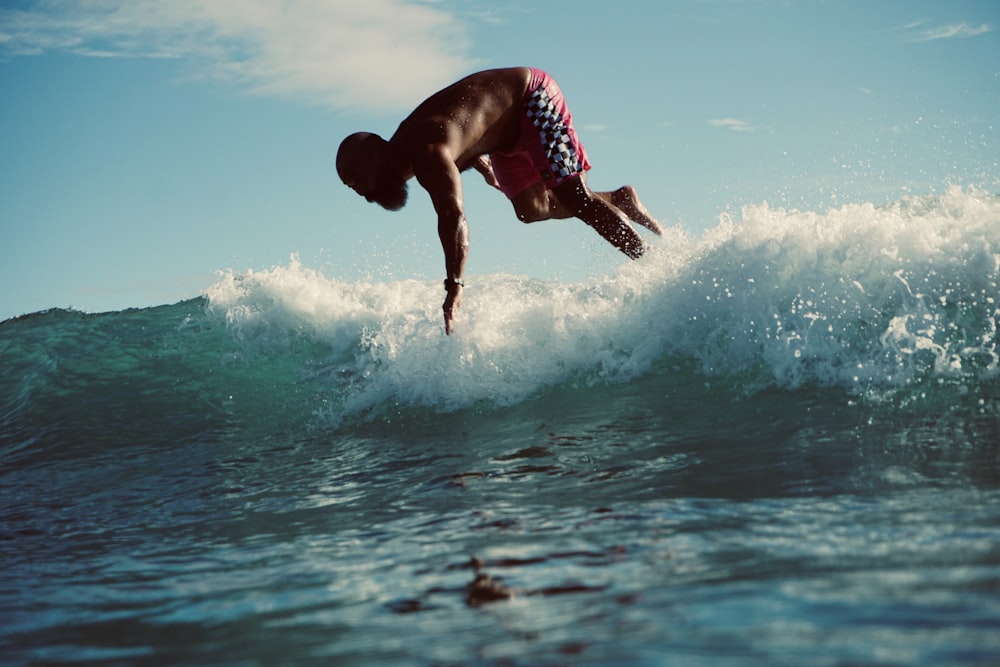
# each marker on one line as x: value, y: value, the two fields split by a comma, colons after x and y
x: 777, y: 444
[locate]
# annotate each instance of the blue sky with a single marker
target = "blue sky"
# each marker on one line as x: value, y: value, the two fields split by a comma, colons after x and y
x: 146, y: 145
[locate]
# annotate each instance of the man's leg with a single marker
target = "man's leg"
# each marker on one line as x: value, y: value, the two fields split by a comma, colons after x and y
x: 537, y: 203
x: 576, y: 198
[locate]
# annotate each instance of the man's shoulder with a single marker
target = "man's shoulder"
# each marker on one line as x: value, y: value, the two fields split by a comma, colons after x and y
x: 475, y: 90
x: 418, y: 132
x: 460, y: 115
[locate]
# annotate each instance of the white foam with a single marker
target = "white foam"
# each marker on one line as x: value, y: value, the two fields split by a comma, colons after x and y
x: 857, y: 297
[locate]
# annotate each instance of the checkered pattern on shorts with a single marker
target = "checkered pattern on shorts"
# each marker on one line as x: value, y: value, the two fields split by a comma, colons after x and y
x: 553, y: 132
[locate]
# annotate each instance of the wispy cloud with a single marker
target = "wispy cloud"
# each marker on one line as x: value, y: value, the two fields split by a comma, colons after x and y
x: 951, y: 31
x: 733, y: 124
x: 370, y: 54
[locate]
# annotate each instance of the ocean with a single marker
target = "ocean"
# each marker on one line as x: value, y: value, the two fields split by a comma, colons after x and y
x: 775, y: 443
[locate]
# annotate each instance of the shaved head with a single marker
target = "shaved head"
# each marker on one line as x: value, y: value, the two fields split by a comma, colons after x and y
x: 354, y: 148
x: 363, y: 166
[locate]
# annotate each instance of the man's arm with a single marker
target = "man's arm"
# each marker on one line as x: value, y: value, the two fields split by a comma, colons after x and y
x: 484, y: 166
x: 436, y: 171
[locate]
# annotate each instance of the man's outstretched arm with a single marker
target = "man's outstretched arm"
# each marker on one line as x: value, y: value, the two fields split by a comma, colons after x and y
x: 455, y: 242
x: 436, y: 172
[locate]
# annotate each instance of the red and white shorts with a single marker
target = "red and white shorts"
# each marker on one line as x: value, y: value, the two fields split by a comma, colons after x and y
x: 547, y: 150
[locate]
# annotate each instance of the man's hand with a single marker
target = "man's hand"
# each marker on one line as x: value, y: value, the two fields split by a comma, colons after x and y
x: 485, y: 167
x: 451, y: 305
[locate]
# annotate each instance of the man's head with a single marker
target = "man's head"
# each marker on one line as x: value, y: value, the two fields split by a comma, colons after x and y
x: 363, y: 165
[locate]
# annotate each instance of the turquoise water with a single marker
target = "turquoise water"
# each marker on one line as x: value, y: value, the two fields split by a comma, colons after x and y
x: 774, y: 444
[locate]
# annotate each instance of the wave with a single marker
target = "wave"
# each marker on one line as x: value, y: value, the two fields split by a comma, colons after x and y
x: 871, y: 301
x: 863, y: 298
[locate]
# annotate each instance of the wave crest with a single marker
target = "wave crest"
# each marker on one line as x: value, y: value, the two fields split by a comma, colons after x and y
x: 862, y: 297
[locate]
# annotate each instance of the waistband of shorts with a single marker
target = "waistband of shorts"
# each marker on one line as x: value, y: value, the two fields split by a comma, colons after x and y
x: 538, y: 79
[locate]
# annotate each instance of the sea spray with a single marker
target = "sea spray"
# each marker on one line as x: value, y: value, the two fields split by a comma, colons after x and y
x: 861, y: 298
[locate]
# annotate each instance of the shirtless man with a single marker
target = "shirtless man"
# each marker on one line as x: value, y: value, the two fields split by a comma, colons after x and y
x: 512, y: 125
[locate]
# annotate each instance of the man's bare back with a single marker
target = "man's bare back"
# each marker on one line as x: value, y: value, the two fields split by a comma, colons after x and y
x: 459, y: 128
x: 476, y: 116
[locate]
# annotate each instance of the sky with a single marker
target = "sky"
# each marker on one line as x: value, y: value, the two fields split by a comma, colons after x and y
x: 145, y: 146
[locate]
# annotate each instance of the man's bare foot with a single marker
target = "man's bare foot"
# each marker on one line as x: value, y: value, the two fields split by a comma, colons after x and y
x: 626, y: 199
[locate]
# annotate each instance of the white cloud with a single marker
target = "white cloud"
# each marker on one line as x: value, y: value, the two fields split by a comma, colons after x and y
x: 733, y: 124
x: 362, y: 54
x: 956, y: 30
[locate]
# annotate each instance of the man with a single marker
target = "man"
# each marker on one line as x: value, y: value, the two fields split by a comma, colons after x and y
x: 512, y: 125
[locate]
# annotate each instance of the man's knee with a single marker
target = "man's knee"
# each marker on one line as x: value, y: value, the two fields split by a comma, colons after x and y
x: 532, y: 205
x: 531, y: 215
